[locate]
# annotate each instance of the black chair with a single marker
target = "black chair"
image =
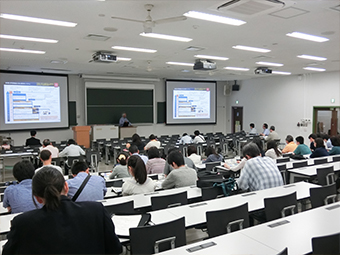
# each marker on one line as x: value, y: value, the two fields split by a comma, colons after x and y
x: 162, y: 202
x: 300, y: 164
x: 320, y: 196
x: 158, y: 238
x: 228, y: 220
x: 211, y: 165
x: 284, y: 173
x: 325, y: 175
x: 282, y: 160
x: 326, y: 244
x: 320, y: 161
x: 2, y: 189
x: 336, y: 158
x: 126, y: 208
x: 56, y: 161
x: 209, y: 193
x: 279, y: 207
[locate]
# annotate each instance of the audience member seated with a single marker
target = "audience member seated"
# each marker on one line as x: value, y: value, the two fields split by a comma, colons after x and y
x: 72, y: 150
x: 18, y: 198
x: 198, y: 137
x: 327, y: 141
x: 272, y: 150
x: 32, y: 141
x: 291, y: 146
x: 301, y: 149
x: 136, y: 140
x: 187, y: 161
x: 46, y: 158
x: 212, y: 155
x: 153, y: 143
x: 133, y: 150
x: 259, y: 144
x: 120, y: 170
x: 94, y: 189
x: 155, y: 164
x: 186, y: 139
x: 192, y: 154
x: 61, y: 225
x: 47, y: 145
x: 336, y: 145
x: 272, y: 135
x: 123, y: 121
x: 320, y: 150
x: 182, y: 175
x: 139, y: 183
x: 265, y: 130
x: 252, y: 129
x: 312, y: 138
x: 259, y: 172
x: 5, y: 145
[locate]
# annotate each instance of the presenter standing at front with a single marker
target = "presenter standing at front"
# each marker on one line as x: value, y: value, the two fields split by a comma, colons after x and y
x: 124, y: 122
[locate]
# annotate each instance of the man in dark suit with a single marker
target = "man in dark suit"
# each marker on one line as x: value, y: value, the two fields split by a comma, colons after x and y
x: 61, y: 226
x: 33, y: 141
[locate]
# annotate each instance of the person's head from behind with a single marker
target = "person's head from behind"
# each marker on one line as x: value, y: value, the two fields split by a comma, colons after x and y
x: 47, y: 186
x: 46, y: 142
x: 79, y: 166
x: 335, y: 140
x: 258, y: 142
x: 210, y: 150
x: 265, y: 126
x: 184, y: 134
x: 124, y: 115
x: 23, y: 170
x: 133, y: 149
x: 272, y: 128
x: 250, y: 150
x: 312, y: 137
x: 137, y: 168
x: 136, y: 138
x: 197, y: 132
x: 319, y: 143
x: 45, y: 155
x: 175, y: 159
x: 153, y: 152
x: 299, y: 140
x: 289, y: 139
x: 71, y: 141
x: 33, y: 132
x: 325, y: 137
x: 152, y: 137
x: 271, y: 145
x: 252, y: 125
x: 122, y: 158
x: 191, y: 149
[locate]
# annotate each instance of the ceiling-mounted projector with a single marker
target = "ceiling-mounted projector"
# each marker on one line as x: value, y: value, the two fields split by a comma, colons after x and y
x: 201, y: 64
x: 263, y: 70
x: 103, y: 57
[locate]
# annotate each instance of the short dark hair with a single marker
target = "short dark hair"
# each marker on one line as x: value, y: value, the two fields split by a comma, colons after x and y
x: 258, y: 142
x: 272, y: 128
x: 184, y: 134
x: 176, y: 157
x: 252, y: 125
x: 45, y: 155
x: 79, y: 166
x: 23, y: 170
x: 46, y: 142
x: 33, y: 132
x: 136, y: 139
x: 192, y: 149
x: 71, y: 141
x: 335, y: 140
x: 138, y: 168
x: 313, y: 136
x: 122, y: 158
x: 172, y: 149
x: 153, y: 152
x: 197, y: 132
x: 152, y: 137
x: 265, y: 125
x: 251, y: 150
x: 133, y: 149
x: 319, y: 143
x: 325, y: 137
x: 289, y: 138
x: 300, y: 139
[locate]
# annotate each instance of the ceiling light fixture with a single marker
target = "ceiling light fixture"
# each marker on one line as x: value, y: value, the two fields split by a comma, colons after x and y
x: 312, y: 57
x: 123, y: 59
x: 23, y: 51
x: 32, y: 39
x: 38, y: 20
x: 214, y: 18
x: 315, y: 69
x: 166, y: 37
x: 236, y: 68
x: 269, y: 63
x: 211, y: 57
x: 304, y: 36
x: 241, y: 47
x: 179, y: 63
x: 283, y: 73
x: 133, y: 49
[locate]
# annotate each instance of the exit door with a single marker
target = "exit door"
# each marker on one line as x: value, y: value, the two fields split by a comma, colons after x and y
x: 237, y: 119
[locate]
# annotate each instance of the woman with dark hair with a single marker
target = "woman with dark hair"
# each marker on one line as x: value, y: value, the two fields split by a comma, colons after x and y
x: 155, y: 164
x: 136, y: 140
x: 336, y: 145
x: 272, y: 150
x: 320, y: 150
x: 192, y: 154
x: 312, y: 138
x: 139, y: 183
x: 120, y: 170
x: 212, y: 155
x: 61, y: 224
x: 259, y: 144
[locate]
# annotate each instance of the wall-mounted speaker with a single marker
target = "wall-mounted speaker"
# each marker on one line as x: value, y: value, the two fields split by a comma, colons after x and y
x: 227, y: 90
x: 236, y: 87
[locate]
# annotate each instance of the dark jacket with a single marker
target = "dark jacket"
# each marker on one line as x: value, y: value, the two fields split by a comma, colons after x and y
x: 32, y: 141
x: 319, y: 152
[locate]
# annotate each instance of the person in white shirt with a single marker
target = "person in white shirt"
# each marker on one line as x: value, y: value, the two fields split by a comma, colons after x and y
x: 72, y: 150
x: 153, y: 143
x: 47, y: 145
x: 192, y: 154
x: 198, y: 137
x: 272, y: 150
x: 252, y: 129
x: 186, y: 139
x: 46, y: 158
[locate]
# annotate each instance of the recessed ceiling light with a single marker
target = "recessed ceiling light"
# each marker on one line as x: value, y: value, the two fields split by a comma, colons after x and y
x: 283, y: 73
x: 179, y: 63
x: 312, y: 57
x: 23, y: 51
x: 38, y: 20
x: 214, y: 18
x: 123, y: 59
x: 304, y: 36
x: 166, y: 37
x: 241, y: 47
x: 133, y: 49
x: 210, y: 57
x: 23, y: 38
x: 268, y: 63
x: 315, y: 69
x: 236, y: 68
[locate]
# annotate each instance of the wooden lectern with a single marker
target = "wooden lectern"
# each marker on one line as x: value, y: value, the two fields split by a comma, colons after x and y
x: 81, y: 135
x: 127, y: 132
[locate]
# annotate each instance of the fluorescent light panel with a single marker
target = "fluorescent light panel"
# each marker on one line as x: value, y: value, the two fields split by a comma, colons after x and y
x: 32, y: 39
x: 166, y: 37
x: 241, y: 47
x: 23, y: 51
x: 236, y: 68
x: 312, y: 57
x: 283, y: 73
x: 123, y: 59
x: 214, y: 18
x: 315, y: 69
x: 211, y: 57
x: 269, y: 63
x: 179, y: 63
x: 133, y: 49
x: 38, y: 20
x: 304, y: 36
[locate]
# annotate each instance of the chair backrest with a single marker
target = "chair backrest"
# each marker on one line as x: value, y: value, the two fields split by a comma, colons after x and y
x: 227, y: 220
x: 2, y: 189
x: 284, y: 173
x: 72, y: 160
x: 336, y: 158
x: 282, y: 160
x: 162, y: 202
x: 325, y: 175
x: 56, y: 161
x: 326, y: 244
x: 324, y: 195
x: 211, y: 193
x: 300, y: 164
x: 210, y: 165
x: 320, y: 161
x: 121, y: 209
x: 279, y: 207
x: 158, y: 238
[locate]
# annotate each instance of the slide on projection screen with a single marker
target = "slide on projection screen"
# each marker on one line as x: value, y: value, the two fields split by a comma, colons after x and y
x: 190, y: 102
x: 33, y: 101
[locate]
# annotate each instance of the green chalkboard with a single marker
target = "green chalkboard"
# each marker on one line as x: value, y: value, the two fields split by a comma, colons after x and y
x: 161, y: 112
x: 105, y: 106
x: 72, y: 113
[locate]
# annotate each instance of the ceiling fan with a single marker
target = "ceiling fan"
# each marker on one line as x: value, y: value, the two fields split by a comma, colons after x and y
x: 148, y: 24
